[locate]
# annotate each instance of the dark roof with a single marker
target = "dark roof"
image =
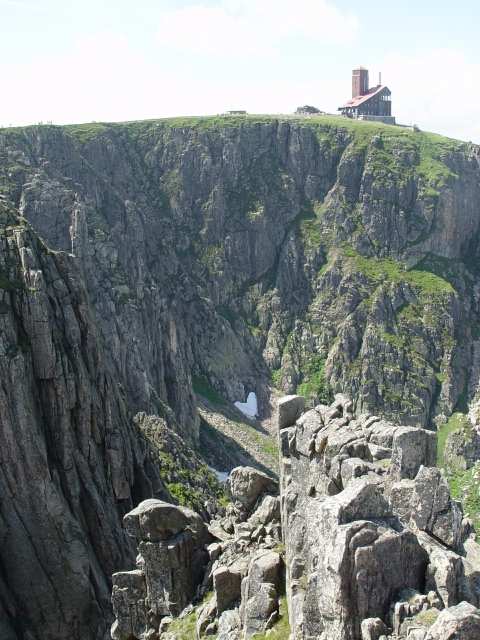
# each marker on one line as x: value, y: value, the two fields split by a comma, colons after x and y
x: 356, y: 102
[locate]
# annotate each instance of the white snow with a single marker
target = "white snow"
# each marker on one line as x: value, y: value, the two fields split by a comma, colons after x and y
x: 222, y: 476
x: 250, y: 407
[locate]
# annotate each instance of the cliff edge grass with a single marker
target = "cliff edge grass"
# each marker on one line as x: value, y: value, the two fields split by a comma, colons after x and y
x: 430, y: 147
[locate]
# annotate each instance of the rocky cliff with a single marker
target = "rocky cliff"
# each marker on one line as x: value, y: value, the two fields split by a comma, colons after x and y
x: 371, y: 545
x: 232, y: 250
x: 144, y: 262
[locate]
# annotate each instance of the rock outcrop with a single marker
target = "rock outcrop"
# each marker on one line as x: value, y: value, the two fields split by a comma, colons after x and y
x: 72, y: 460
x: 366, y: 518
x: 178, y: 564
x: 462, y: 621
x: 172, y: 558
x: 371, y: 545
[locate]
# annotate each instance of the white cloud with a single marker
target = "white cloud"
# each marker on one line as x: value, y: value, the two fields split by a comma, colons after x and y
x: 438, y: 90
x: 251, y: 27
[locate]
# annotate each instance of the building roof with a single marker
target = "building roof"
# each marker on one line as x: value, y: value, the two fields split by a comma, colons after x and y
x: 356, y: 102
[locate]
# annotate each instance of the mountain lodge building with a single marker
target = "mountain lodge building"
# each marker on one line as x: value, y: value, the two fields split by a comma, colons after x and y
x: 368, y: 103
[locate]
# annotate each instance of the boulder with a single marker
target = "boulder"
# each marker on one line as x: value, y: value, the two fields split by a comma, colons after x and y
x: 432, y: 509
x: 229, y: 625
x: 446, y: 570
x: 172, y: 559
x: 227, y: 583
x: 411, y: 449
x: 257, y: 608
x: 248, y: 484
x: 400, y: 498
x: 205, y: 616
x: 260, y: 591
x: 266, y: 566
x: 129, y: 593
x: 361, y: 500
x: 289, y: 409
x: 461, y: 622
x: 267, y: 511
x: 155, y: 520
x: 373, y: 629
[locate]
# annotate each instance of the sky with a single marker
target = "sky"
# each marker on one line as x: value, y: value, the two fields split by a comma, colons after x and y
x: 67, y: 61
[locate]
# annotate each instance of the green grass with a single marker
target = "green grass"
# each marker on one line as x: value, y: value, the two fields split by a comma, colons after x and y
x: 310, y: 223
x: 427, y: 618
x: 184, y: 628
x: 280, y: 630
x: 212, y: 257
x: 409, y: 313
x: 432, y: 167
x: 395, y: 340
x: 86, y: 132
x: 379, y: 270
x: 456, y: 422
x: 276, y: 377
x: 183, y: 494
x: 465, y: 487
x: 315, y: 385
x: 203, y: 388
x: 269, y: 446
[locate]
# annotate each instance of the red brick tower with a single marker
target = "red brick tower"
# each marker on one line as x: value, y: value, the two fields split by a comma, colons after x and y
x: 359, y: 82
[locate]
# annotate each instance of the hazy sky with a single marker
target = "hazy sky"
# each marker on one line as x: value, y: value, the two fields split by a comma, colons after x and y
x: 75, y: 61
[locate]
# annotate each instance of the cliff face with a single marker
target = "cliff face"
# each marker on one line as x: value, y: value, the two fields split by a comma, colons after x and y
x: 226, y: 249
x: 164, y: 253
x: 72, y: 463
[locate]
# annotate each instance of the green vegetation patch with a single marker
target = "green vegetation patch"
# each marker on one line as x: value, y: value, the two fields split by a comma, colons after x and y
x: 187, y: 478
x: 212, y: 257
x: 310, y: 224
x: 184, y: 495
x: 394, y: 339
x: 427, y: 618
x: 457, y: 421
x: 433, y: 149
x: 84, y: 133
x: 203, y: 388
x: 276, y: 377
x: 184, y: 628
x: 465, y: 487
x: 281, y: 629
x: 380, y: 270
x: 315, y: 385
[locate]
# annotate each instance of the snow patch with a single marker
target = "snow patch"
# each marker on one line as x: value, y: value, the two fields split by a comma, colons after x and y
x: 222, y: 476
x: 250, y: 407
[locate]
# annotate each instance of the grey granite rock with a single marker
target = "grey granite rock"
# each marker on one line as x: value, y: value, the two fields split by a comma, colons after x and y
x: 433, y: 510
x: 247, y: 484
x: 461, y: 622
x: 361, y: 530
x: 172, y: 559
x: 227, y: 586
x: 289, y: 409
